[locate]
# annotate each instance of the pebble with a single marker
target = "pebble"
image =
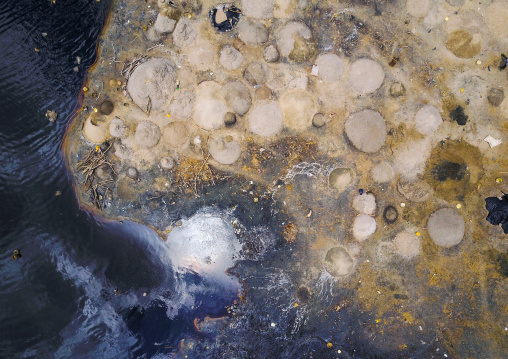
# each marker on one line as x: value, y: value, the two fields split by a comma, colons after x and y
x: 271, y: 54
x: 318, y: 120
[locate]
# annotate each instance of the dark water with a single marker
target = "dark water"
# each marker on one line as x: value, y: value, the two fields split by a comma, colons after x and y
x: 59, y: 300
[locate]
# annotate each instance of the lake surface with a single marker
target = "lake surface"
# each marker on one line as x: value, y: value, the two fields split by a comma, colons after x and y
x: 73, y: 293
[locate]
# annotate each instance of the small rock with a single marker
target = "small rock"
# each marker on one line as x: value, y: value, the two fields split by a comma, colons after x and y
x: 263, y: 93
x: 51, y: 115
x: 132, y: 173
x: 397, y: 89
x: 271, y: 54
x: 16, y: 254
x: 106, y: 107
x: 229, y: 119
x: 318, y: 120
x: 495, y: 96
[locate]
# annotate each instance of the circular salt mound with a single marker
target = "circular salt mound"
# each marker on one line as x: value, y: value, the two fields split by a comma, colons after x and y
x: 259, y: 9
x: 185, y: 32
x: 383, y: 172
x: 209, y: 109
x: 252, y: 33
x: 95, y: 133
x: 366, y: 76
x: 117, y: 128
x: 288, y: 33
x: 298, y: 108
x: 340, y: 178
x: 154, y: 80
x: 147, y: 134
x: 265, y: 120
x: 427, y: 120
x: 230, y: 58
x: 418, y: 8
x: 237, y: 97
x: 366, y: 130
x: 407, y: 244
x: 176, y: 135
x: 338, y: 262
x: 182, y: 104
x: 225, y: 150
x: 365, y: 203
x: 330, y: 66
x: 363, y: 227
x: 446, y: 227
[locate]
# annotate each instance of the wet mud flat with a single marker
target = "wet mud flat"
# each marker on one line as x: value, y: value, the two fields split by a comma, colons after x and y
x: 346, y: 145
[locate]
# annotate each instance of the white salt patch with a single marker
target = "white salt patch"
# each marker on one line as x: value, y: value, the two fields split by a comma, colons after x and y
x: 265, y: 120
x: 366, y: 76
x: 330, y: 66
x: 383, y: 172
x: 365, y: 203
x: 209, y: 108
x: 363, y: 227
x: 407, y: 244
x: 446, y: 227
x: 427, y: 120
x: 206, y: 244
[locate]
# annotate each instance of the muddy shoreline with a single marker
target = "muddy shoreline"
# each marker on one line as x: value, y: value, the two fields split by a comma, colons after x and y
x: 354, y: 134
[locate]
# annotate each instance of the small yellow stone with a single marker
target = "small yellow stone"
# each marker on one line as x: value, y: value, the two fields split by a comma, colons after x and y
x: 94, y: 110
x: 459, y: 206
x: 499, y: 180
x: 189, y: 16
x: 329, y: 345
x: 168, y: 115
x: 446, y: 18
x: 256, y: 199
x: 462, y: 90
x: 85, y: 89
x: 295, y: 305
x: 418, y: 234
x: 339, y: 351
x: 96, y: 148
